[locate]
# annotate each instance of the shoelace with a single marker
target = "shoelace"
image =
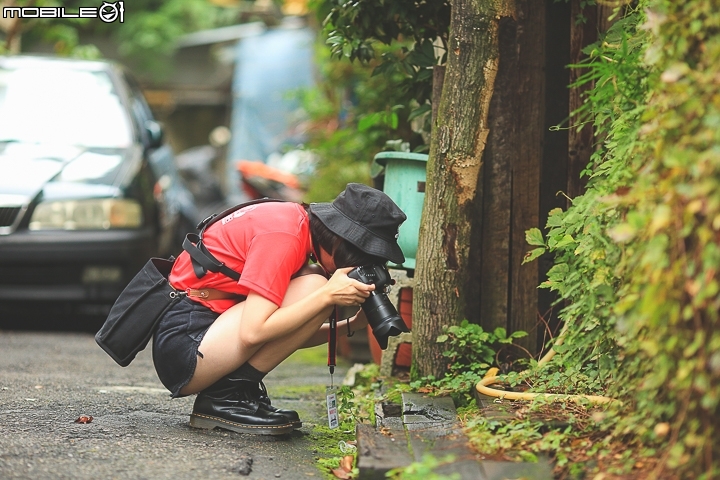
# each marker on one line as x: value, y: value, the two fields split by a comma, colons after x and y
x: 263, y: 397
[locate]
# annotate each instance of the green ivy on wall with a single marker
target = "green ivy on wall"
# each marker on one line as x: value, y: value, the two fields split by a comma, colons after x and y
x: 638, y: 255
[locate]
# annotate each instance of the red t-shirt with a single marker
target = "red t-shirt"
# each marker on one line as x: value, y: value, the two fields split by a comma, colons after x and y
x: 266, y: 243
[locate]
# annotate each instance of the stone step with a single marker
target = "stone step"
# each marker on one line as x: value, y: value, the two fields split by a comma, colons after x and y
x: 428, y: 425
x: 380, y: 451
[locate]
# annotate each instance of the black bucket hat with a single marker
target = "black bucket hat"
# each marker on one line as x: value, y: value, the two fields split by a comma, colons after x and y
x: 365, y: 217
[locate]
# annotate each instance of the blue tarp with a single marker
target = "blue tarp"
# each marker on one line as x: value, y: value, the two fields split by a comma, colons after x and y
x: 269, y: 67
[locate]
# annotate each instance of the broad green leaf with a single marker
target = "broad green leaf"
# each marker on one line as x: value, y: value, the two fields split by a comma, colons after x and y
x: 534, y: 236
x: 533, y: 254
x: 500, y: 333
x: 419, y: 111
x: 564, y: 241
x: 369, y: 121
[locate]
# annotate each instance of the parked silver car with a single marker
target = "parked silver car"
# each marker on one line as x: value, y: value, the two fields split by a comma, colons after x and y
x: 88, y: 188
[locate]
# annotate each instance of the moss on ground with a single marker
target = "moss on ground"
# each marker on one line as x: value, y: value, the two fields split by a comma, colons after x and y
x: 329, y: 446
x: 313, y: 355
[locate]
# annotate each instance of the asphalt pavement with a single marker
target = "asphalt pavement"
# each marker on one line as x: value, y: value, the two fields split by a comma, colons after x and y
x: 51, y: 382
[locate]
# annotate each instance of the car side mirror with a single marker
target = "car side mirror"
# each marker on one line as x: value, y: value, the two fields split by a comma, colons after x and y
x: 154, y: 134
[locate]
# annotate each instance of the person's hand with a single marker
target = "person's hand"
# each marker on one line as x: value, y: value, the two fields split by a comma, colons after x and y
x: 358, y: 321
x: 347, y: 291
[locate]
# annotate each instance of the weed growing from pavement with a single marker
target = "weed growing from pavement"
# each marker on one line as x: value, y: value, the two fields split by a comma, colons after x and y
x: 340, y: 442
x: 356, y: 404
x: 329, y: 445
x: 424, y: 470
x: 471, y: 351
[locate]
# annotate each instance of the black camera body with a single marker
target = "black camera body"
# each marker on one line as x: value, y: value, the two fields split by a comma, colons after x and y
x: 382, y: 315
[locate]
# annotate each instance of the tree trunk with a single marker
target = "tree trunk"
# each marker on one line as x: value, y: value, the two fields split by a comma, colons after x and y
x: 453, y: 175
x: 12, y: 28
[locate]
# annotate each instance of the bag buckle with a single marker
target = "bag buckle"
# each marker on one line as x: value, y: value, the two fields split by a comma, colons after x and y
x: 199, y: 293
x: 176, y: 293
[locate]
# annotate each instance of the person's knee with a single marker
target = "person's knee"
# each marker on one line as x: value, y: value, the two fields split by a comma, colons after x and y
x: 250, y: 339
x: 310, y: 269
x: 309, y: 282
x: 303, y: 286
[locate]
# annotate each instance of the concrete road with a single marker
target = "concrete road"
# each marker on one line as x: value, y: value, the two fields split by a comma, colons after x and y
x: 48, y: 380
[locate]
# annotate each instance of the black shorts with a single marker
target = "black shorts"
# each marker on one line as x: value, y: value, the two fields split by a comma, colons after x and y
x: 176, y: 342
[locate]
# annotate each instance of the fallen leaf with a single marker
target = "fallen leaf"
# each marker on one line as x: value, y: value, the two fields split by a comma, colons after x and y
x: 84, y: 419
x: 344, y: 471
x: 347, y: 462
x: 341, y: 473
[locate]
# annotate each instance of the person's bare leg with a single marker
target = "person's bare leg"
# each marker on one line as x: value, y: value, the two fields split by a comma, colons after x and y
x: 222, y: 352
x: 273, y: 353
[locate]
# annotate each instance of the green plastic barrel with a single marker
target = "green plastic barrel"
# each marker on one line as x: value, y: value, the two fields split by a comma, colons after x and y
x: 404, y: 182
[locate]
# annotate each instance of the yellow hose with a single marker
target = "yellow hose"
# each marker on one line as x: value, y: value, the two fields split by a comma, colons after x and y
x: 491, y: 377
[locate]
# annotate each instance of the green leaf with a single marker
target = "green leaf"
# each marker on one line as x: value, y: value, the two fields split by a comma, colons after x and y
x: 500, y: 333
x: 442, y: 339
x: 392, y: 120
x: 555, y: 218
x: 421, y: 110
x: 534, y: 236
x: 533, y: 254
x: 423, y: 55
x: 385, y: 68
x: 564, y: 241
x: 369, y: 121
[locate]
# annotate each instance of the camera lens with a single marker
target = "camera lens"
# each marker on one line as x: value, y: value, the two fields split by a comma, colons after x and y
x: 379, y: 310
x: 383, y: 318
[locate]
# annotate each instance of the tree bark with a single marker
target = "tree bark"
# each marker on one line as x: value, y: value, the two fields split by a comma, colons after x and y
x: 12, y: 28
x: 453, y: 175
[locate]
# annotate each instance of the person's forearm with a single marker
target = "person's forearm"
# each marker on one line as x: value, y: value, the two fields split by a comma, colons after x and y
x: 287, y: 319
x: 263, y: 321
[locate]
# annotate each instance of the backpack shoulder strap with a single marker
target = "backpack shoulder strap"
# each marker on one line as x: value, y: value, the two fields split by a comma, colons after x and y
x: 202, y: 260
x: 205, y: 223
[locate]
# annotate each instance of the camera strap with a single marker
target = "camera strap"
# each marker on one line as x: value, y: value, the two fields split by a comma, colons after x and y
x: 331, y: 391
x: 202, y: 260
x: 332, y: 343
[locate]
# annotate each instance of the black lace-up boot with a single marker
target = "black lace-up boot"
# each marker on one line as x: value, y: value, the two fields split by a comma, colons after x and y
x: 230, y: 405
x: 291, y: 415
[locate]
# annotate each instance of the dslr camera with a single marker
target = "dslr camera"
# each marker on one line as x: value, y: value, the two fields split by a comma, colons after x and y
x: 379, y: 310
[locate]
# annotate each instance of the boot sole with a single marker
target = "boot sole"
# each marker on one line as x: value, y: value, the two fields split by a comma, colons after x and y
x: 206, y: 422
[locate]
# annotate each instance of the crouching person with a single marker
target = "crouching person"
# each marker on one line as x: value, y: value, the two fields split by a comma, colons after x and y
x: 221, y: 340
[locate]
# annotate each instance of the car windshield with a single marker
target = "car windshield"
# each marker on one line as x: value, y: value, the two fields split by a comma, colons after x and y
x: 61, y: 106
